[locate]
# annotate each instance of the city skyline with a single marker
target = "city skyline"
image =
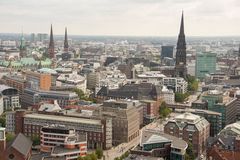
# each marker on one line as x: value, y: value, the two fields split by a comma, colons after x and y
x: 115, y: 17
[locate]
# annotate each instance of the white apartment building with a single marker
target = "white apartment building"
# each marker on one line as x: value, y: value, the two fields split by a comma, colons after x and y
x: 178, y: 84
x: 151, y: 76
x: 72, y: 79
x: 168, y: 95
x: 112, y: 78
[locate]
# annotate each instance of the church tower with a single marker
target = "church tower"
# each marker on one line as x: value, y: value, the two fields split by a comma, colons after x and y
x: 180, y: 66
x: 22, y: 47
x: 66, y: 41
x: 239, y: 52
x: 51, y: 45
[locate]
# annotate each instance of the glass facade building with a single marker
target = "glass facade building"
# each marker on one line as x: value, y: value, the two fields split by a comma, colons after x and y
x: 205, y: 64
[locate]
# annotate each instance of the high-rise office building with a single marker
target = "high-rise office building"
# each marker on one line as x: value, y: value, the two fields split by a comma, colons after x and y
x: 205, y: 64
x: 41, y: 37
x: 167, y: 51
x: 222, y: 103
x: 32, y: 37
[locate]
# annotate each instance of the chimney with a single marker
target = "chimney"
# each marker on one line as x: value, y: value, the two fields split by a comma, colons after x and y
x: 19, y: 118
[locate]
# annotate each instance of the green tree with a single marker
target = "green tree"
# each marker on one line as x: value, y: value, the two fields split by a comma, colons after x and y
x: 123, y: 156
x: 93, y: 156
x: 36, y: 140
x: 87, y: 157
x: 126, y: 154
x: 99, y: 152
x: 164, y: 111
x: 79, y: 92
x: 192, y: 83
x: 2, y: 121
x: 80, y: 158
x: 180, y: 97
x: 9, y: 137
x: 190, y: 79
x: 82, y: 96
x: 193, y: 86
x: 189, y: 155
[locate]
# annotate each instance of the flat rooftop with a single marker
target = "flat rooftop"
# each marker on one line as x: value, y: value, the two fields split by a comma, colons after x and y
x: 53, y: 158
x: 141, y: 157
x: 63, y: 93
x: 197, y: 111
x: 63, y: 118
x: 62, y: 150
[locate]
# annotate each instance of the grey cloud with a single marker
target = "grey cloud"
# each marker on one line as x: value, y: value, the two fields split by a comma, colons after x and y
x: 119, y: 16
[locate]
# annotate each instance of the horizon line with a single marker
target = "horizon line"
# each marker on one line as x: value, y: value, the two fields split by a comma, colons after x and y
x: 116, y: 35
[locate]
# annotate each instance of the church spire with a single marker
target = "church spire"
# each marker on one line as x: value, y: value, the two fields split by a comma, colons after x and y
x: 22, y: 46
x: 181, y: 51
x: 51, y: 44
x: 22, y: 43
x: 181, y: 45
x: 182, y: 25
x: 239, y: 51
x: 66, y: 41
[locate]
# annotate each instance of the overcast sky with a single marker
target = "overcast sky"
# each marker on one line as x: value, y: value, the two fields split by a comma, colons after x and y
x: 121, y: 17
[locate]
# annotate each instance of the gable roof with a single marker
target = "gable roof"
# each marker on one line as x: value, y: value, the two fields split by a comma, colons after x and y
x: 22, y: 144
x: 156, y: 139
x: 149, y: 136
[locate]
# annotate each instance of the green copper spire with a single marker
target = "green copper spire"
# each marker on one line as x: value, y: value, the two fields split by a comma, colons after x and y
x: 22, y: 42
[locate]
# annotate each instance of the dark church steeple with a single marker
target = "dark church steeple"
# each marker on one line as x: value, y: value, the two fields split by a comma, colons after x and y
x: 181, y: 52
x: 66, y: 41
x: 51, y: 45
x: 239, y: 52
x: 181, y: 45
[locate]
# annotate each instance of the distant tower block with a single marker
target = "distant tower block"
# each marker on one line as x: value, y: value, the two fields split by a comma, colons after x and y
x: 51, y: 45
x: 180, y: 66
x: 66, y: 41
